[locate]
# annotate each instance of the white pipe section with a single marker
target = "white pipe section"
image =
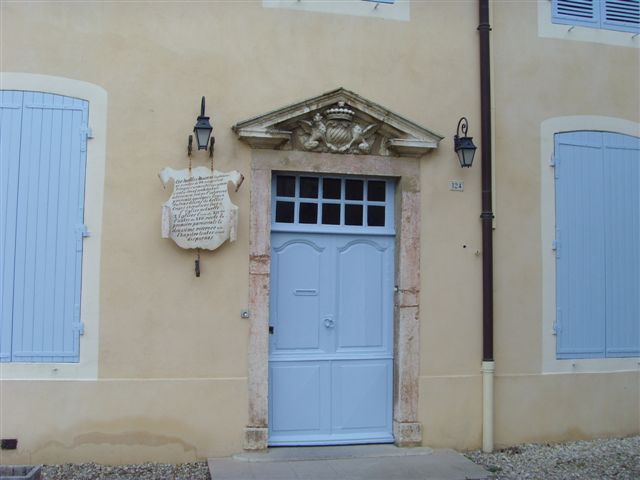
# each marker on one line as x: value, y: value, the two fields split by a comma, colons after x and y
x: 488, y: 369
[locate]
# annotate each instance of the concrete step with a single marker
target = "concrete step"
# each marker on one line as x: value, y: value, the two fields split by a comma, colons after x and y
x: 352, y: 462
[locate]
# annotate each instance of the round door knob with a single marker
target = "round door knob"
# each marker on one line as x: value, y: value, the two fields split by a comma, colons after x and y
x: 329, y: 322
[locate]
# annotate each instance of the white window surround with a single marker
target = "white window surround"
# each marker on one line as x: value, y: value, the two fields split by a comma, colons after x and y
x: 87, y: 367
x: 548, y: 29
x: 399, y: 10
x: 548, y: 129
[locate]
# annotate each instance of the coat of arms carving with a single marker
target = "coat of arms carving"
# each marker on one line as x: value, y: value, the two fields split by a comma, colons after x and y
x: 337, y: 132
x: 338, y: 122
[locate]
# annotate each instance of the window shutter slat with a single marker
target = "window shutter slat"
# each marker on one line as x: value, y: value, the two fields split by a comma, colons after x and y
x: 576, y: 12
x: 623, y: 15
x: 50, y: 199
x: 580, y: 269
x: 10, y: 124
x: 622, y: 227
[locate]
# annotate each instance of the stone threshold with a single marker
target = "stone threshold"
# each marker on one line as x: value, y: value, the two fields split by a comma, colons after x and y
x: 340, y: 452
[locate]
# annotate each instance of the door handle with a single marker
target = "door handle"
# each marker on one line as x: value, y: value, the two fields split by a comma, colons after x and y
x: 329, y: 322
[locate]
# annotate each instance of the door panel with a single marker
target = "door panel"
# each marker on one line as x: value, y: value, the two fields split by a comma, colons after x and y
x: 298, y: 273
x: 363, y: 265
x: 298, y: 397
x: 331, y: 365
x: 361, y: 397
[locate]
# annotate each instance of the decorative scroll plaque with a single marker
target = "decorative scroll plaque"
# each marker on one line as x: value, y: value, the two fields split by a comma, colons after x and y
x: 199, y: 213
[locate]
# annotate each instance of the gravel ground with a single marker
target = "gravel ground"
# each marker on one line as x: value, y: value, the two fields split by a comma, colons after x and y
x: 145, y: 471
x: 610, y: 459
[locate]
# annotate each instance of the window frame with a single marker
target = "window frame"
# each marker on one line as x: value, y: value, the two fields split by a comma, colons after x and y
x: 548, y: 29
x: 598, y: 20
x: 548, y: 128
x: 318, y: 227
x: 398, y: 10
x: 87, y: 367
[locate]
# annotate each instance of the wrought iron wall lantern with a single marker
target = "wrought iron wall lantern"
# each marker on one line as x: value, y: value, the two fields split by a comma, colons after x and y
x: 463, y: 145
x: 202, y: 130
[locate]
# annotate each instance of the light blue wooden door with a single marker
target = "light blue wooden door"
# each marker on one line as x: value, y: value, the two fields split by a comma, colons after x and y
x: 331, y: 350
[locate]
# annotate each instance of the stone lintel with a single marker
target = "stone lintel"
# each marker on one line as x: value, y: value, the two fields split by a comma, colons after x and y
x: 410, y: 147
x: 269, y: 139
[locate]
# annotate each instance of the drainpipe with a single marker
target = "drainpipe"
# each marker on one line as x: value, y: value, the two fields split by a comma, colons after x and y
x: 488, y: 364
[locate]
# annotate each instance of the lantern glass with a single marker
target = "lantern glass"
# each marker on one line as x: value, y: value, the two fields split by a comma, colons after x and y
x: 466, y: 151
x: 203, y: 131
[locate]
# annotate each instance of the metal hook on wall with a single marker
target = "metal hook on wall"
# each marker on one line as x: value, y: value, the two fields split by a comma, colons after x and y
x: 240, y: 182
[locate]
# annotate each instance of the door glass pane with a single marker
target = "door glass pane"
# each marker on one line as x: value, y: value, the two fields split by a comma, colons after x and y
x: 375, y: 216
x: 311, y: 199
x: 308, y: 213
x: 285, y: 186
x: 354, y: 189
x: 376, y: 191
x: 353, y: 214
x: 284, y: 212
x: 331, y: 214
x: 331, y: 188
x: 309, y: 187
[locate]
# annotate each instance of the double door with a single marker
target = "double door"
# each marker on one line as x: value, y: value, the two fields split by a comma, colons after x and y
x: 331, y: 342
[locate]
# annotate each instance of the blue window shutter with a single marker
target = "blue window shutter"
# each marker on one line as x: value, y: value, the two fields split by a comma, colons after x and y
x: 580, y: 267
x: 623, y: 15
x: 48, y: 254
x: 576, y: 12
x: 622, y: 238
x: 10, y: 125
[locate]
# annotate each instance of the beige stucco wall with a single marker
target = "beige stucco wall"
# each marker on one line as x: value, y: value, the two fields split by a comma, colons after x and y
x: 548, y: 78
x: 172, y: 367
x: 555, y: 78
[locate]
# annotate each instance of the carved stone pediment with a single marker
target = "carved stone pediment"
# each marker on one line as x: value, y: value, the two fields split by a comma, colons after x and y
x: 338, y: 122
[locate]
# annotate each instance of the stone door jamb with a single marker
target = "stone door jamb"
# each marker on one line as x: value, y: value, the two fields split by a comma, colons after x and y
x: 406, y: 428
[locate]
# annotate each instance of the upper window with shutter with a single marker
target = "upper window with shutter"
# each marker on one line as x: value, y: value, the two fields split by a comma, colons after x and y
x: 43, y: 139
x: 380, y: 9
x: 622, y: 15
